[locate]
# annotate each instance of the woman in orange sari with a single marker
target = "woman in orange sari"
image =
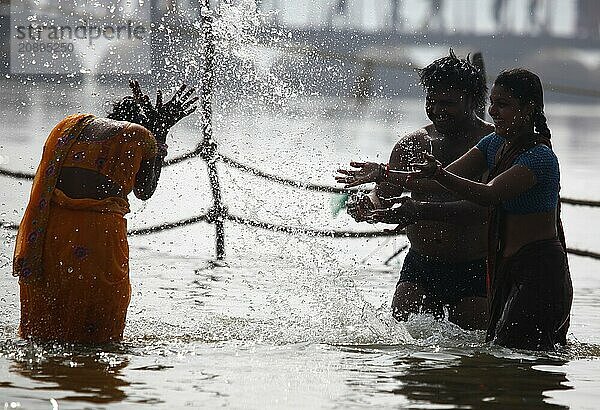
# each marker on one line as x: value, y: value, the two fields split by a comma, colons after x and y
x: 71, y: 254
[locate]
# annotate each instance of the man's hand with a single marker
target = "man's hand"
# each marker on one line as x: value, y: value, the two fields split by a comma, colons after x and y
x: 366, y: 172
x: 358, y: 205
x: 403, y: 215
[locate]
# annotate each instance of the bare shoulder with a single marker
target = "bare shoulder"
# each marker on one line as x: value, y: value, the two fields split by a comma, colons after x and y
x: 408, y: 146
x: 415, y: 139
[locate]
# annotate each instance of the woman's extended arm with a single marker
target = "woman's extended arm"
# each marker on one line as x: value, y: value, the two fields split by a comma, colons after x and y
x: 512, y: 182
x: 391, y: 182
x: 470, y: 165
x: 146, y: 180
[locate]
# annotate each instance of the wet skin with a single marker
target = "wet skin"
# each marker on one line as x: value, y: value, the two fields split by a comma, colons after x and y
x: 450, y: 111
x: 454, y: 243
x: 513, y: 120
x: 454, y: 130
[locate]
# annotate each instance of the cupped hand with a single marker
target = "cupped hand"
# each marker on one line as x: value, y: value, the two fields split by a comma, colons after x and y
x: 357, y: 206
x: 364, y: 173
x: 403, y: 215
x: 162, y: 116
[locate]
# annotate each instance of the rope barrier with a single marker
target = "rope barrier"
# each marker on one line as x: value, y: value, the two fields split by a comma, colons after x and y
x: 310, y: 231
x: 16, y: 174
x: 229, y: 161
x: 337, y: 190
x: 9, y: 226
x: 398, y: 252
x: 293, y: 230
x: 189, y: 155
x: 168, y: 226
x: 284, y: 181
x: 296, y: 184
x: 580, y: 252
x: 175, y: 160
x: 581, y: 202
x: 210, y: 217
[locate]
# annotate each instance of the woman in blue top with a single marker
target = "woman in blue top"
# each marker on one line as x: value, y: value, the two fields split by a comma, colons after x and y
x: 529, y: 284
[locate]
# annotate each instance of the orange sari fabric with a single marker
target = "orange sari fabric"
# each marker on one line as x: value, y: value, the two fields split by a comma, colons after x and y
x: 30, y: 238
x: 80, y: 290
x: 116, y: 157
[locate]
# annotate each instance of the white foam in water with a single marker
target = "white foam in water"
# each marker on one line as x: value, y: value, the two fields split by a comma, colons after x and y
x: 298, y: 297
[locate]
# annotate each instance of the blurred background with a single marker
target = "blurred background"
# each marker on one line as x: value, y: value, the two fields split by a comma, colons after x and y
x: 336, y: 47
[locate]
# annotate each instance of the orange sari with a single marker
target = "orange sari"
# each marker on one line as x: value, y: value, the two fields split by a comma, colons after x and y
x: 71, y: 255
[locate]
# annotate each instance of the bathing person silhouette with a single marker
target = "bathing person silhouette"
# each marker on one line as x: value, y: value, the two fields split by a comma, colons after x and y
x: 71, y: 254
x: 445, y: 265
x: 529, y: 285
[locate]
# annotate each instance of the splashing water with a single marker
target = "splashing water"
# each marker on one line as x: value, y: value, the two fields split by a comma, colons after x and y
x: 7, y: 240
x: 274, y: 297
x: 241, y: 57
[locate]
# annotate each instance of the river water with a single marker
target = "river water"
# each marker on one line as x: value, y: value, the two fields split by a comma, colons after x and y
x: 288, y: 321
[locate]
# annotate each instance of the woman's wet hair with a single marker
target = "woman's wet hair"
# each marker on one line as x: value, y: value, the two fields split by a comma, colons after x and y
x: 526, y: 87
x: 451, y: 71
x: 127, y: 109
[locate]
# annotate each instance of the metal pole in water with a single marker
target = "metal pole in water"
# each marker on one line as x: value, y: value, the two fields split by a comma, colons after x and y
x: 209, y: 146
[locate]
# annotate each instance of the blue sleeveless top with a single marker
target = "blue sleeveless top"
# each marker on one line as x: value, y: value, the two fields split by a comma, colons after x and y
x: 540, y: 160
